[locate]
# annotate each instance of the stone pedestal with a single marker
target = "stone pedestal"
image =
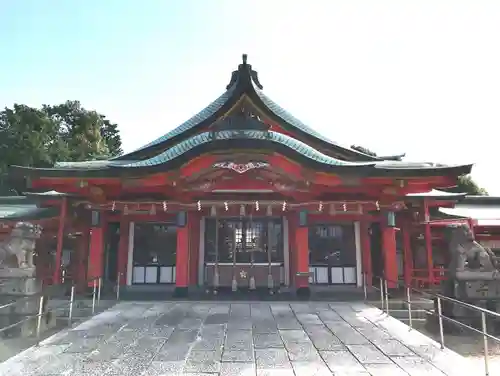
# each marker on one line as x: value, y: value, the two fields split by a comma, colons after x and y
x: 16, y: 284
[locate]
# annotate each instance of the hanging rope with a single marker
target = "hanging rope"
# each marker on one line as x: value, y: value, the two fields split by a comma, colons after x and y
x: 270, y: 234
x: 234, y: 282
x: 251, y: 282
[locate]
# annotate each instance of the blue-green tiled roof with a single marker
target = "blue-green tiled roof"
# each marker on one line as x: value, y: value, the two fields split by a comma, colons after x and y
x: 31, y: 213
x: 275, y: 137
x: 7, y: 210
x: 204, y: 114
x: 19, y: 208
x: 293, y: 121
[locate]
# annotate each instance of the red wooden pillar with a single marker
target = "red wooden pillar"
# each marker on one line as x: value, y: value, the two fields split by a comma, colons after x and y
x: 182, y: 257
x: 292, y: 226
x: 407, y: 253
x: 302, y: 260
x: 366, y: 252
x: 95, y: 264
x: 82, y: 257
x: 194, y: 246
x: 428, y: 243
x: 60, y: 239
x: 123, y: 250
x: 390, y: 256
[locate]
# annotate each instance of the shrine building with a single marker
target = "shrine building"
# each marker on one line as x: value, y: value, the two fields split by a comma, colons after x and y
x: 242, y: 196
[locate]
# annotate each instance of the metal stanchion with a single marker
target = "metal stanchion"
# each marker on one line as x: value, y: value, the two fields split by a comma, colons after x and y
x: 39, y: 318
x: 118, y: 286
x: 408, y: 298
x: 71, y: 301
x: 381, y: 294
x: 364, y: 286
x: 99, y: 291
x: 93, y: 296
x: 485, y: 344
x: 386, y: 297
x: 440, y: 319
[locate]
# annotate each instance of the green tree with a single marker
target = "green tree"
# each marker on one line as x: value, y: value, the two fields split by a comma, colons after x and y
x: 41, y: 137
x: 88, y: 134
x: 467, y: 185
x: 364, y: 150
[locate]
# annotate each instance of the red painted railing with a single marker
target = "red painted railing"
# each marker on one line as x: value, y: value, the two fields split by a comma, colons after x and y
x: 420, y: 277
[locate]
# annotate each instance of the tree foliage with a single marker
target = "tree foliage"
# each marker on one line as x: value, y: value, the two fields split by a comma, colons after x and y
x: 467, y: 185
x: 364, y: 150
x: 40, y: 137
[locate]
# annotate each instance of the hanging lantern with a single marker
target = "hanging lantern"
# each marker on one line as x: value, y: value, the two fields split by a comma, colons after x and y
x: 269, y: 211
x: 164, y: 206
x: 152, y: 211
x: 125, y: 210
x: 320, y: 206
x: 242, y: 210
x: 213, y: 211
x: 199, y: 205
x: 256, y: 205
x: 344, y: 207
x: 113, y: 206
x: 226, y: 206
x: 181, y: 219
x: 284, y: 205
x: 377, y: 205
x: 303, y: 218
x: 391, y: 219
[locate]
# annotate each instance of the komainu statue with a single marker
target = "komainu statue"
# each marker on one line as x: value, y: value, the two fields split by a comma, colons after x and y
x: 473, y: 276
x: 21, y: 244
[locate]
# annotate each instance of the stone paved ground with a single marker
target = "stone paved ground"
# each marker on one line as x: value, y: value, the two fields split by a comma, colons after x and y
x: 233, y: 339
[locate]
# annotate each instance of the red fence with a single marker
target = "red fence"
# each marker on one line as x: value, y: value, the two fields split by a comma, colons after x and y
x: 420, y: 277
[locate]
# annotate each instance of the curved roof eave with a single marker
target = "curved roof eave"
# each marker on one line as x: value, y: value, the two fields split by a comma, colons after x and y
x: 437, y: 195
x: 269, y: 136
x: 241, y: 138
x: 207, y: 142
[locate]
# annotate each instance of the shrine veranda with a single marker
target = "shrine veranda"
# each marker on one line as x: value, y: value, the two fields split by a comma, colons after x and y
x: 243, y: 196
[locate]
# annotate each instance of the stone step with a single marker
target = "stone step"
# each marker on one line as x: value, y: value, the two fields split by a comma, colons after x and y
x: 81, y: 308
x: 402, y: 314
x: 401, y: 304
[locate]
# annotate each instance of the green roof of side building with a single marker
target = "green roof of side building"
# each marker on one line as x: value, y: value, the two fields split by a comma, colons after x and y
x: 24, y: 208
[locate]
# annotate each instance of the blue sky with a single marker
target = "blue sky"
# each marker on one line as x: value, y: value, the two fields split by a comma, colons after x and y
x: 421, y: 77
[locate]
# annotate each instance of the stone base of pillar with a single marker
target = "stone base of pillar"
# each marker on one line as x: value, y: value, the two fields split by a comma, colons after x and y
x: 181, y: 292
x: 303, y: 293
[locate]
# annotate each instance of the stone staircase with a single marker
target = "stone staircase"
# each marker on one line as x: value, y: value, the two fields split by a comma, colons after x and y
x: 82, y: 308
x: 398, y: 309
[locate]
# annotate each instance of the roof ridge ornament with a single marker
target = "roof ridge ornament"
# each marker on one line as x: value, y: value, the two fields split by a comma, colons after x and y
x: 245, y: 75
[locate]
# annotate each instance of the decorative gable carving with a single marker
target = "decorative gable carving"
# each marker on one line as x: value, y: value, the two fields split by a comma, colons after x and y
x: 243, y: 118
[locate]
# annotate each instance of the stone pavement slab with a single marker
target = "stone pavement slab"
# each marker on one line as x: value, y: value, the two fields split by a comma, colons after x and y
x: 250, y: 339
